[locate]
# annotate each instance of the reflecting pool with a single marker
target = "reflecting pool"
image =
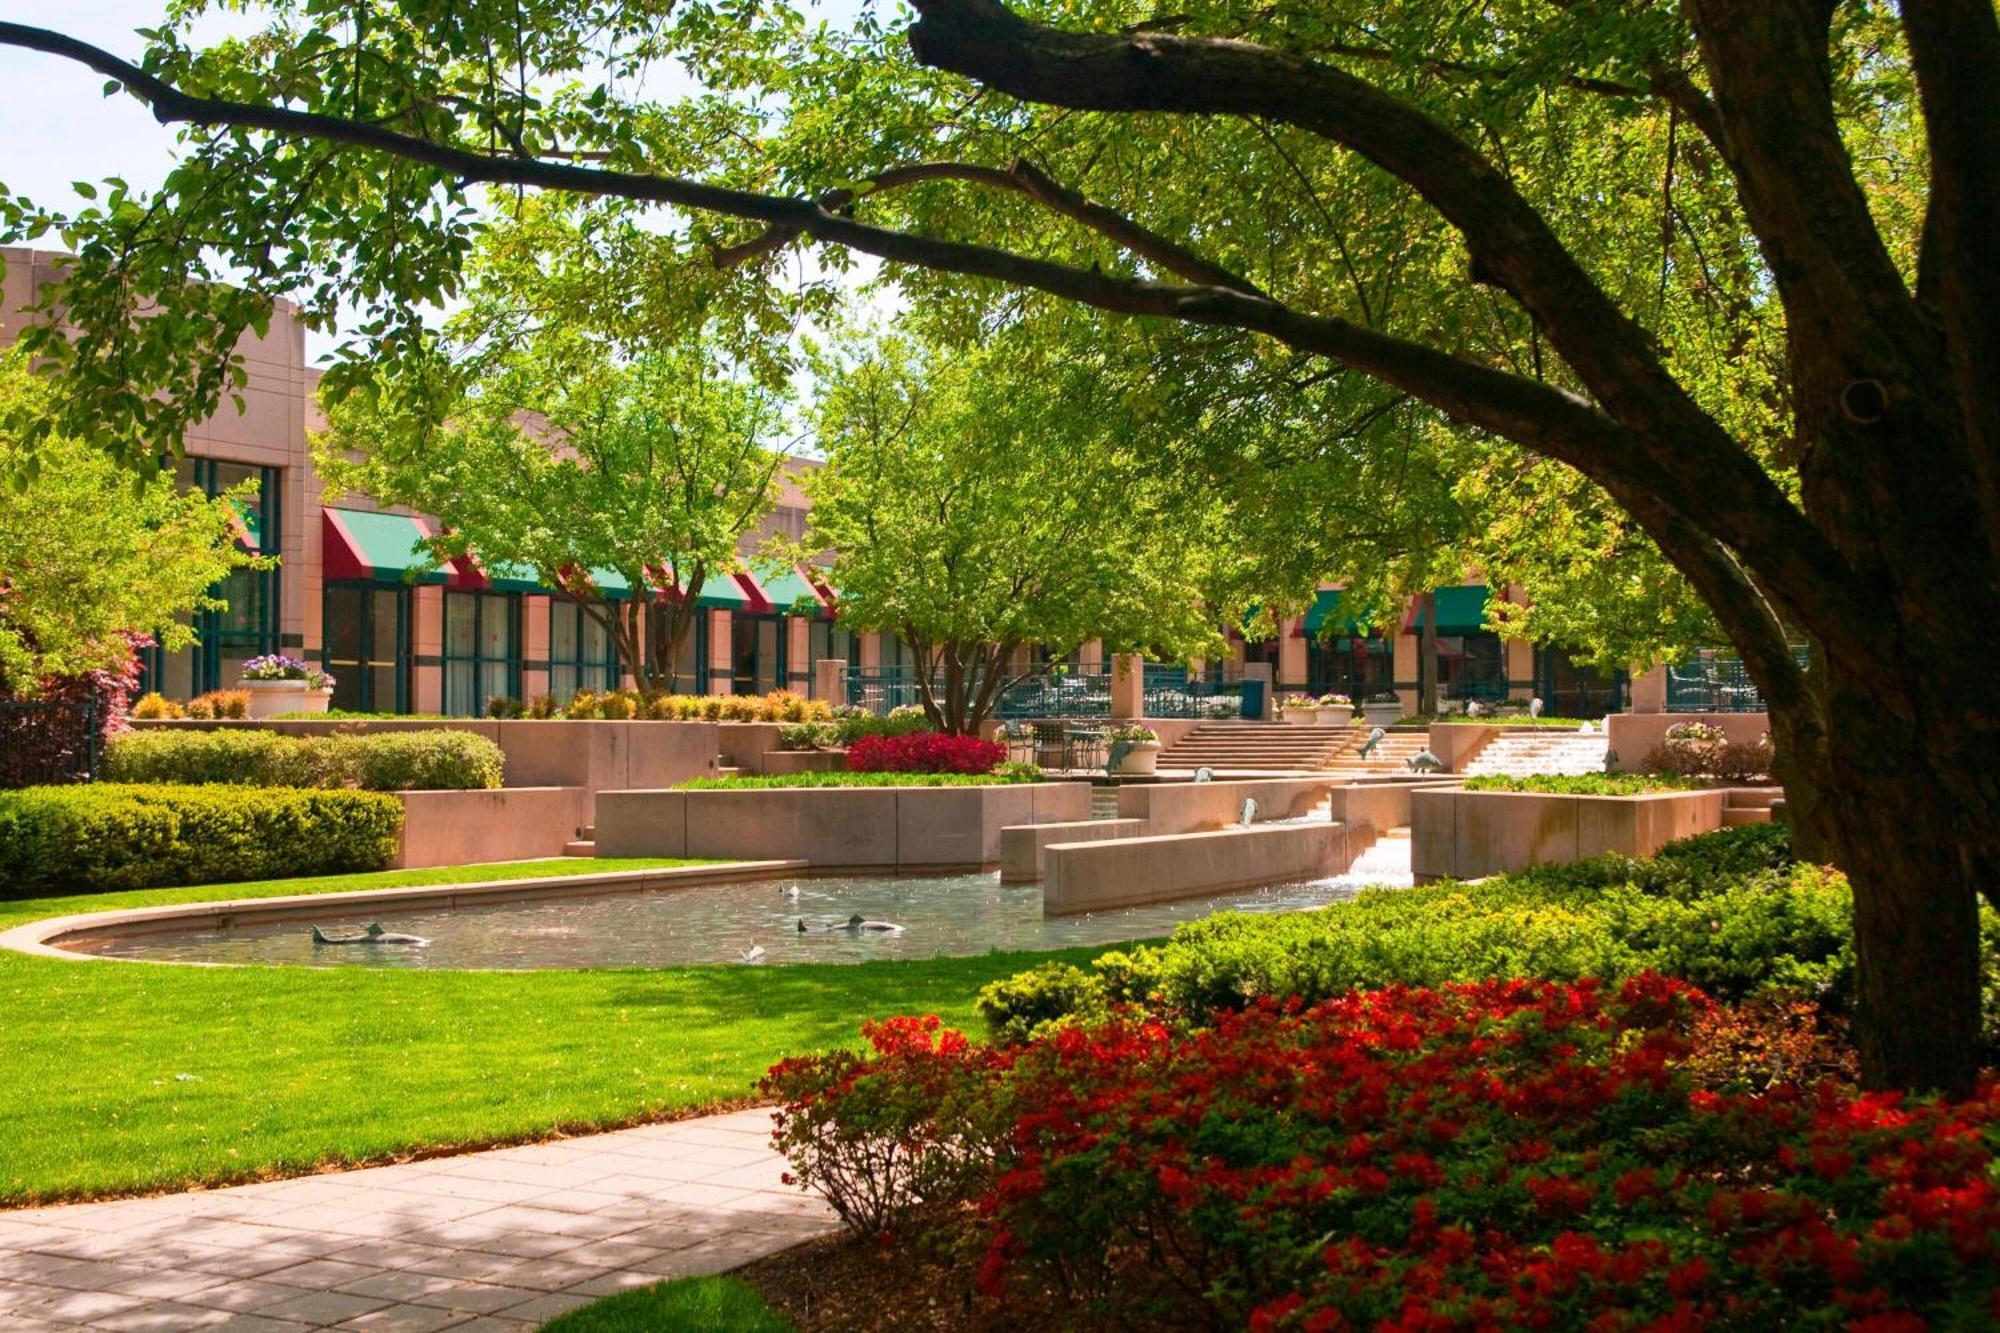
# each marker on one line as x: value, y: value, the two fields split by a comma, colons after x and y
x: 941, y: 915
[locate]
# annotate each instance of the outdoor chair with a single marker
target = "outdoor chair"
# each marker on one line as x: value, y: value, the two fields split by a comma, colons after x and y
x: 1020, y: 741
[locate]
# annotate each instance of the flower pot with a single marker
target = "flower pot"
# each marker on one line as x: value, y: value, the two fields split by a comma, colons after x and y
x: 315, y: 701
x: 1382, y: 715
x: 1336, y: 715
x: 1301, y: 717
x: 268, y: 698
x: 1141, y: 760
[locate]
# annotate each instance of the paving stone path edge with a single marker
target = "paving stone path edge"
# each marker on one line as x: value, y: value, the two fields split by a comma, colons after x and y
x: 501, y: 1240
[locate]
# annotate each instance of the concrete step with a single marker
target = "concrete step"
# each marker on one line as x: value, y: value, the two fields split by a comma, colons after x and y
x: 1735, y: 815
x: 580, y: 847
x: 1754, y: 798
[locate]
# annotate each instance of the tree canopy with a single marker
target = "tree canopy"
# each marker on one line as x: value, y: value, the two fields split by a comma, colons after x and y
x: 982, y: 502
x: 91, y: 554
x: 1731, y: 263
x: 618, y: 460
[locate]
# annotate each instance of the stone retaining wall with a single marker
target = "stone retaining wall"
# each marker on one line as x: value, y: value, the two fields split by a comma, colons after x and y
x: 900, y: 828
x: 456, y: 828
x: 1461, y: 834
x: 1190, y: 807
x: 1093, y: 876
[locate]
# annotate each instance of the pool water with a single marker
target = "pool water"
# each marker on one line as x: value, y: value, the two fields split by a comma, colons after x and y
x: 942, y: 915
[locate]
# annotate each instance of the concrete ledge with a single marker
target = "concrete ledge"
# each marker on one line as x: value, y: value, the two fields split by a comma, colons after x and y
x: 1633, y: 736
x: 1092, y: 876
x: 900, y: 828
x: 1021, y: 846
x: 456, y: 828
x: 45, y: 938
x: 1189, y: 807
x: 1459, y: 834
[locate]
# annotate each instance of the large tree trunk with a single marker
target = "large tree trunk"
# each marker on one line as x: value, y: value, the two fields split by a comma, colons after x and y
x: 1916, y: 837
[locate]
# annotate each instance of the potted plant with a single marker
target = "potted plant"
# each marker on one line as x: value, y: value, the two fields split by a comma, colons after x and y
x: 1142, y: 753
x: 1382, y: 710
x: 279, y: 684
x: 1336, y: 710
x: 1300, y: 710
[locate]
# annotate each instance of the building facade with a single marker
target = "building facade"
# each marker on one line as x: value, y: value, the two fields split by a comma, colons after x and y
x: 351, y: 591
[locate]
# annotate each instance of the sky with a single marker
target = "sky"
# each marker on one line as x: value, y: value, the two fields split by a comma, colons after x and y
x: 61, y: 128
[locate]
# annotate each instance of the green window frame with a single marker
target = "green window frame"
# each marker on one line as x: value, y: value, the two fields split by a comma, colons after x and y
x: 248, y: 626
x: 365, y: 633
x: 582, y: 655
x: 482, y: 650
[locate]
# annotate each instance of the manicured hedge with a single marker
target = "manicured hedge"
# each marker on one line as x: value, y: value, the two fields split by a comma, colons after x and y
x: 98, y: 838
x: 1726, y: 911
x: 379, y: 761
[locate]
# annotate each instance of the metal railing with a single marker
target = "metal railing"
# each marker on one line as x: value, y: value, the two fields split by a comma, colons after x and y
x: 1075, y: 692
x: 1716, y: 685
x: 46, y: 741
x: 1170, y: 692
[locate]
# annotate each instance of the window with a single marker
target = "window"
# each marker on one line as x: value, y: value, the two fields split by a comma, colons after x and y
x: 691, y: 658
x: 757, y: 653
x: 1471, y: 666
x: 1354, y: 665
x: 366, y: 629
x: 481, y: 650
x: 248, y: 626
x: 581, y: 653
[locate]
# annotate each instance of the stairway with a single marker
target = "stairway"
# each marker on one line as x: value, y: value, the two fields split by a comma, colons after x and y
x: 1533, y: 750
x: 1749, y: 805
x: 583, y: 844
x: 1103, y: 801
x: 1266, y: 747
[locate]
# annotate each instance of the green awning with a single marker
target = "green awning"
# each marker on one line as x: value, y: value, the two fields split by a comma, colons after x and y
x: 1326, y: 607
x: 1461, y: 610
x: 790, y: 594
x: 610, y: 583
x: 509, y: 577
x: 360, y: 544
x: 724, y: 593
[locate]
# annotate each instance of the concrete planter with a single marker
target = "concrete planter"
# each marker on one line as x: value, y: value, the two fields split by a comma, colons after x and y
x: 1140, y: 761
x: 1461, y: 834
x: 1295, y: 716
x: 1382, y: 715
x: 455, y: 828
x: 268, y: 698
x: 1336, y: 715
x: 803, y: 761
x: 902, y: 828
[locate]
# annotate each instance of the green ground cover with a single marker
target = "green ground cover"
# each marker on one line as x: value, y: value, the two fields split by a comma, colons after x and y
x: 1565, y: 723
x: 1584, y: 784
x: 129, y: 1077
x: 686, y: 1305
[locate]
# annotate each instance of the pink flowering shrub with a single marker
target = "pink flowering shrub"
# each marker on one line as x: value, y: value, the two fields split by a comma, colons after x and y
x: 1492, y: 1155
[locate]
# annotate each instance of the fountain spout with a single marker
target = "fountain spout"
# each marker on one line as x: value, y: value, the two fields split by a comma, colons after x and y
x: 1249, y: 814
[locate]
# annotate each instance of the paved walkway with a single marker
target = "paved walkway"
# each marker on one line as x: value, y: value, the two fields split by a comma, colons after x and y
x: 498, y: 1240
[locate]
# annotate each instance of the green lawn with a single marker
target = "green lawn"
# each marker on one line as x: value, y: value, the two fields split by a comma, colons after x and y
x: 128, y: 1077
x: 686, y: 1305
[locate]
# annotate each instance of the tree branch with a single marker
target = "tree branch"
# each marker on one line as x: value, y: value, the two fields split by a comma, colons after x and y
x: 1021, y: 177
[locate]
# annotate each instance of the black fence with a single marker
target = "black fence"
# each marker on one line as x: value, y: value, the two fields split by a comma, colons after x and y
x: 47, y: 741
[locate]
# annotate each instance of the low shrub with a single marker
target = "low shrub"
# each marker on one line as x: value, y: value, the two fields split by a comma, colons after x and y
x: 155, y: 706
x: 1696, y: 749
x: 90, y: 839
x: 1582, y: 784
x: 1505, y: 1154
x: 502, y: 710
x: 376, y: 761
x: 925, y: 752
x: 1002, y: 776
x: 1726, y: 911
x: 217, y: 706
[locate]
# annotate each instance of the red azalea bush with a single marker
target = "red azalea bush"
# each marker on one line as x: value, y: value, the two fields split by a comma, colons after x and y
x: 924, y: 752
x: 1491, y: 1155
x: 52, y: 736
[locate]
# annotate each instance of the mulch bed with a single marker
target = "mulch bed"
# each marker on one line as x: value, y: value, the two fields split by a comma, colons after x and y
x: 850, y: 1284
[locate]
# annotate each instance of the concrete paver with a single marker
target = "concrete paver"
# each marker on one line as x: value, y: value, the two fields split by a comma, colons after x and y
x: 492, y: 1242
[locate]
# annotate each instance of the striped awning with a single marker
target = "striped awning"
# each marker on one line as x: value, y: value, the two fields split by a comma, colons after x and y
x: 388, y: 548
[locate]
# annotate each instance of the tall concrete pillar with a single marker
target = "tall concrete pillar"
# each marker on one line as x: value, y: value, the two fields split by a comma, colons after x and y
x: 1292, y: 670
x: 1128, y: 686
x: 1649, y: 691
x: 830, y: 680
